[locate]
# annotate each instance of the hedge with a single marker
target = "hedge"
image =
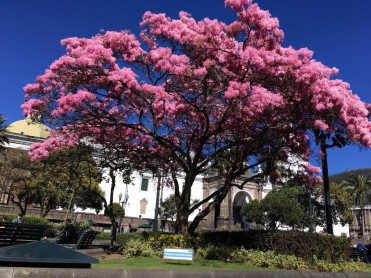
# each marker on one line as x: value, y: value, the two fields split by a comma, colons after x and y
x: 300, y: 244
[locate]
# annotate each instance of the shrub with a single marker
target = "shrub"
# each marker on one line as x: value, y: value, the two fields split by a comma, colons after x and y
x: 215, y: 253
x: 106, y: 236
x: 51, y: 230
x: 122, y: 239
x: 82, y: 226
x: 324, y: 247
x: 34, y: 220
x: 268, y: 259
x: 271, y: 260
x: 341, y: 266
x: 159, y: 241
x: 136, y: 247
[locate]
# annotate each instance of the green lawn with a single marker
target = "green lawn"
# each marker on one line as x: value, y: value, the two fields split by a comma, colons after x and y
x: 158, y: 263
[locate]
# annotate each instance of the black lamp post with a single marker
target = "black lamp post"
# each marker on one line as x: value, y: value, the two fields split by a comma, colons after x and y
x: 337, y: 141
x: 310, y: 192
x: 155, y: 221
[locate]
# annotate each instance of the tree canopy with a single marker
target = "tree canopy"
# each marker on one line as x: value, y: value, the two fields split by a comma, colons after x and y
x: 186, y: 92
x: 289, y: 206
x: 359, y: 187
x: 52, y: 183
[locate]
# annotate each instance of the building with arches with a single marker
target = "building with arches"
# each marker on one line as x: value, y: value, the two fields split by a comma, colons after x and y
x: 227, y: 216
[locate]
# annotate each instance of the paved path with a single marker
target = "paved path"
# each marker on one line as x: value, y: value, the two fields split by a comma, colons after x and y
x: 10, y: 272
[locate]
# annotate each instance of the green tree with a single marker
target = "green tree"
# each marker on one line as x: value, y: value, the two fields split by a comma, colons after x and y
x: 118, y: 210
x: 16, y: 177
x: 79, y: 175
x: 340, y: 202
x: 289, y: 206
x: 168, y: 210
x: 48, y: 183
x: 280, y: 207
x: 359, y: 187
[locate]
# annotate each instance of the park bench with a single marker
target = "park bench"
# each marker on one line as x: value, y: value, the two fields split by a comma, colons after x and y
x: 15, y: 233
x: 359, y: 254
x: 84, y: 241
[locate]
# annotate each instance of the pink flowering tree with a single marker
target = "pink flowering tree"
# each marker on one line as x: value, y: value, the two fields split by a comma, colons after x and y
x: 189, y: 94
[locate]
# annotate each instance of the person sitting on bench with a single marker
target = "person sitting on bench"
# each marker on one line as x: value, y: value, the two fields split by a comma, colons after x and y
x: 18, y: 220
x: 69, y: 234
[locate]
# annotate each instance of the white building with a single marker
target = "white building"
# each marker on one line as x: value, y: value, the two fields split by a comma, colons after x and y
x: 139, y: 197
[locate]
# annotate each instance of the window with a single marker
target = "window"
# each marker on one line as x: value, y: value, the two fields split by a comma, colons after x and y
x: 144, y: 186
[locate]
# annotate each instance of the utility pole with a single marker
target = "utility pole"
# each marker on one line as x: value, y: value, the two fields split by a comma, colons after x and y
x: 337, y: 141
x: 326, y: 189
x: 155, y: 221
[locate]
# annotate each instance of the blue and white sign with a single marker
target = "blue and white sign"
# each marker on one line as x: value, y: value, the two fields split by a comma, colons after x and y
x: 178, y: 254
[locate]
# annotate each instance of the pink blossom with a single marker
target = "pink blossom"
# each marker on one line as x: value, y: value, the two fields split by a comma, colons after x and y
x: 32, y: 106
x: 200, y: 72
x: 313, y: 169
x: 321, y: 125
x: 195, y: 85
x: 237, y: 4
x: 70, y: 102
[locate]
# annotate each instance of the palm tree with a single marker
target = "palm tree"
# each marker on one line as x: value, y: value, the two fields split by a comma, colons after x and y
x: 3, y: 138
x: 360, y: 189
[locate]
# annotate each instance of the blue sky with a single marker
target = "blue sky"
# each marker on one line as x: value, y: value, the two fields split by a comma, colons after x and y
x: 338, y: 32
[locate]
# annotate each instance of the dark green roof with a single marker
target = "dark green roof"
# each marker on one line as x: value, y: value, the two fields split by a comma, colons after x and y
x: 44, y: 253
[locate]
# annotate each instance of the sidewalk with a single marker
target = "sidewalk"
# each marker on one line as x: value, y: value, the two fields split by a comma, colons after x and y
x: 10, y: 272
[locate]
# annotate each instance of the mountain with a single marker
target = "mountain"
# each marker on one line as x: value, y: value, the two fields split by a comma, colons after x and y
x: 346, y: 175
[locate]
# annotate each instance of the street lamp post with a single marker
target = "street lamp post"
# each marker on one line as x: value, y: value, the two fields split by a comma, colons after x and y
x: 155, y: 221
x: 120, y: 197
x: 326, y: 188
x: 337, y: 141
x: 310, y: 191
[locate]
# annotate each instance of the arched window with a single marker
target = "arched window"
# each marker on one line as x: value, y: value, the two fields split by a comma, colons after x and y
x: 240, y: 199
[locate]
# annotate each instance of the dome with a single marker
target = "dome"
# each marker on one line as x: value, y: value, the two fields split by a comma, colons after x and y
x: 29, y: 128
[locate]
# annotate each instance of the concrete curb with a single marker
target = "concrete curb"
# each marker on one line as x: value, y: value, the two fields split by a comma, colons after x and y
x: 20, y: 272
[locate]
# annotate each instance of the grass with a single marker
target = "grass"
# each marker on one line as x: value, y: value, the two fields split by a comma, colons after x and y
x: 158, y: 263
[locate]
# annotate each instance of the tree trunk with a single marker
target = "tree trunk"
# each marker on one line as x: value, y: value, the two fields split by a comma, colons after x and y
x: 110, y: 210
x: 113, y: 232
x: 23, y: 209
x: 183, y: 206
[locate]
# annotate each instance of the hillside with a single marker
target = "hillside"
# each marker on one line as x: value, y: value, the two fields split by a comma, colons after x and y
x: 346, y: 175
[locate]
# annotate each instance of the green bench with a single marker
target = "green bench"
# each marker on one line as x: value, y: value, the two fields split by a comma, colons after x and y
x: 84, y: 241
x: 15, y: 233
